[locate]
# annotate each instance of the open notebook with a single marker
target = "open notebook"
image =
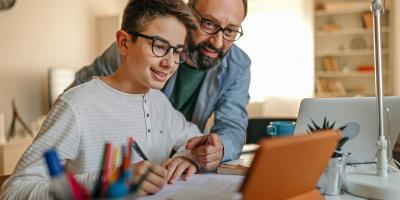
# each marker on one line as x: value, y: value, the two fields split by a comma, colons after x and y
x: 241, y: 165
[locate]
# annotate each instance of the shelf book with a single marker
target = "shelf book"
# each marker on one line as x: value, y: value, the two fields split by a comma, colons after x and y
x: 330, y: 64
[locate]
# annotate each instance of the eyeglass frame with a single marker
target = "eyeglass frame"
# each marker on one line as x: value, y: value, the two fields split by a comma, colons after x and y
x: 155, y: 38
x: 219, y: 28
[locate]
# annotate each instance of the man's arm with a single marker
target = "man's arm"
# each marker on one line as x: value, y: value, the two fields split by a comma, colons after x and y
x: 104, y: 65
x: 231, y: 117
x: 229, y: 130
x: 207, y: 150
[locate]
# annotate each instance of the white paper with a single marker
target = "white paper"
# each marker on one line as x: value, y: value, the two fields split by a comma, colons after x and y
x: 244, y: 160
x: 247, y: 148
x: 200, y: 187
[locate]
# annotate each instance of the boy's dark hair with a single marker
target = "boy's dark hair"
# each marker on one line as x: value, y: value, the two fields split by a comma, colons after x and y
x: 194, y: 2
x: 139, y: 13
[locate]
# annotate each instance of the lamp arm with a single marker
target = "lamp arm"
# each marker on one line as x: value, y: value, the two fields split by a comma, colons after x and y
x: 377, y: 7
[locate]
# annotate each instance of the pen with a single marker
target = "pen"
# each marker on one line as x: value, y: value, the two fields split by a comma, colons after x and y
x: 138, y: 150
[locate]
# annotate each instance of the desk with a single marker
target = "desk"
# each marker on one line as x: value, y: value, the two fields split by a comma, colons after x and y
x: 212, y: 186
x: 216, y: 186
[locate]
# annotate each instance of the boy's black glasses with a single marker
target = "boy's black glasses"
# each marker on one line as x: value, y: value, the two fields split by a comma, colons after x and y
x: 211, y: 28
x: 161, y: 47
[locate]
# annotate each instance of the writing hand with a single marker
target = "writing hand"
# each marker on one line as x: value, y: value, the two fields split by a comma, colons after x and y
x: 155, y: 180
x: 178, y: 166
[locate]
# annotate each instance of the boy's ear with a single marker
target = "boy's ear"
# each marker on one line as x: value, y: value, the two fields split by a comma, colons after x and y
x: 122, y: 38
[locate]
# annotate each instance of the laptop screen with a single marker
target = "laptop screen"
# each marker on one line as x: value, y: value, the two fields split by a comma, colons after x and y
x: 359, y: 114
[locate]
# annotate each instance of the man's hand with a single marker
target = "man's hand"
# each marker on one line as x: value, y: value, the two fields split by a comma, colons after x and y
x: 154, y: 181
x: 207, y: 150
x: 177, y: 166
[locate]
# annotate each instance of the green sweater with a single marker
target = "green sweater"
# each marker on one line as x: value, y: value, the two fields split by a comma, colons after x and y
x: 186, y: 90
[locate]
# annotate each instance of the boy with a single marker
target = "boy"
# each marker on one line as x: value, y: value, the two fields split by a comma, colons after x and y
x: 214, y: 81
x: 110, y: 109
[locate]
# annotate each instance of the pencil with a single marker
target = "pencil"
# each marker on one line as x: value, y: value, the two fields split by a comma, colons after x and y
x: 102, y: 181
x: 114, y: 161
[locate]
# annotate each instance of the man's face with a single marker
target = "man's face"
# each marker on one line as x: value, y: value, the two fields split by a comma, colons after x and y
x: 208, y: 49
x: 147, y: 69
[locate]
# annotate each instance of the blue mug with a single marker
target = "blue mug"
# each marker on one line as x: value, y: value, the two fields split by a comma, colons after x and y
x: 281, y: 128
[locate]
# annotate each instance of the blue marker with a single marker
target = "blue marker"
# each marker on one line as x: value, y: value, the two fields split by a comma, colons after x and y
x: 59, y: 186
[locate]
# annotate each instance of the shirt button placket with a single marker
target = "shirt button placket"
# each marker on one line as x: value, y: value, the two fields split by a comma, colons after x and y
x: 147, y: 119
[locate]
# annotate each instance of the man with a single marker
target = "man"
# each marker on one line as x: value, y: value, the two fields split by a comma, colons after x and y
x: 215, y: 80
x: 113, y: 108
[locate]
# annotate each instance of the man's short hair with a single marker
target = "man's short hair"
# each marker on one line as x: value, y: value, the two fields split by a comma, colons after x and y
x: 139, y: 13
x: 194, y: 2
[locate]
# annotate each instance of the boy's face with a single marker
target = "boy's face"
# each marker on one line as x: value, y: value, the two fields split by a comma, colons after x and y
x: 146, y: 65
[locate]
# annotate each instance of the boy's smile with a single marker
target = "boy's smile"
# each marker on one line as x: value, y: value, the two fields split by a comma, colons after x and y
x: 160, y: 75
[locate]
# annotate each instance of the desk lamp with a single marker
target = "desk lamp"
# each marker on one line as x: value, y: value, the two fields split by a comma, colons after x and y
x: 368, y: 183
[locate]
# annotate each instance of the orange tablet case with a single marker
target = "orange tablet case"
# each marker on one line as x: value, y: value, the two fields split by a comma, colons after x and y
x: 289, y: 167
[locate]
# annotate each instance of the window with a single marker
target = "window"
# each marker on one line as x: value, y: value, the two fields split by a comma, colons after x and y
x: 278, y: 37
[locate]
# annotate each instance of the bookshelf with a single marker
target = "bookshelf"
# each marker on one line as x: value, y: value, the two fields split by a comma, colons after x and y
x: 344, y: 55
x: 349, y: 31
x: 325, y: 74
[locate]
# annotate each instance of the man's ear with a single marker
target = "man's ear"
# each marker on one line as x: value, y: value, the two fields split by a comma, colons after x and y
x: 122, y: 38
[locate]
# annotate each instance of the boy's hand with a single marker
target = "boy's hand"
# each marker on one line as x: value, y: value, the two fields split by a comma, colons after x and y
x: 178, y: 166
x: 155, y: 180
x: 207, y: 150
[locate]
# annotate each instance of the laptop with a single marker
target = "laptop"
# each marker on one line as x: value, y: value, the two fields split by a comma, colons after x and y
x: 289, y: 167
x: 359, y: 114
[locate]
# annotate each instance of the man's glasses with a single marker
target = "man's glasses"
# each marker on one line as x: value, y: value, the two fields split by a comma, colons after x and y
x: 161, y: 47
x: 211, y: 28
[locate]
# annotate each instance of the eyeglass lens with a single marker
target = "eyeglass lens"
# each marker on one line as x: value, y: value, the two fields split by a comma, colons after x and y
x: 212, y: 28
x: 161, y: 48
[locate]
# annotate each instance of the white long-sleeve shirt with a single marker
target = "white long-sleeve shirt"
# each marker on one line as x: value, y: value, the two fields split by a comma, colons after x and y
x: 86, y: 117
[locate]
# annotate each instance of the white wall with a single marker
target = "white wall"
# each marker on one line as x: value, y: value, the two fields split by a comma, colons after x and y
x: 278, y: 37
x: 35, y: 35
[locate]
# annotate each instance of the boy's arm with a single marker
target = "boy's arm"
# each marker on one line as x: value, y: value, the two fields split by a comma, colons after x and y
x: 30, y: 179
x: 182, y: 161
x: 182, y: 131
x: 104, y: 65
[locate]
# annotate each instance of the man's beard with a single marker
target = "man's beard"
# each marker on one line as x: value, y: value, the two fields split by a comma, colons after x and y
x: 200, y: 61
